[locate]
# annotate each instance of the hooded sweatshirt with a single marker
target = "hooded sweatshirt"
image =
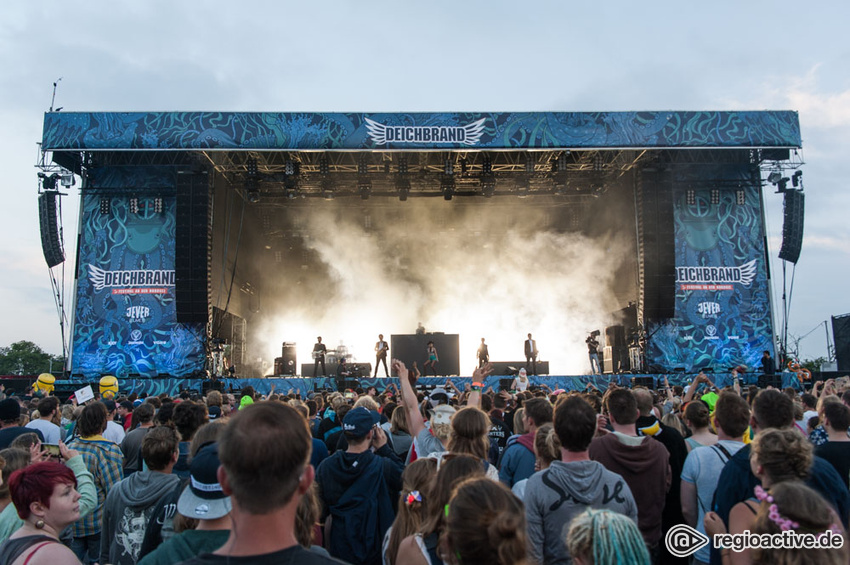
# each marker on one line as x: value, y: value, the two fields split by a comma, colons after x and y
x: 186, y: 545
x: 518, y: 459
x: 126, y: 511
x: 357, y: 490
x: 555, y: 496
x: 644, y: 464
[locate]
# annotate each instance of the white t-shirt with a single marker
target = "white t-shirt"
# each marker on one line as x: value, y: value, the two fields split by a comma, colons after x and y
x: 51, y: 432
x: 114, y: 432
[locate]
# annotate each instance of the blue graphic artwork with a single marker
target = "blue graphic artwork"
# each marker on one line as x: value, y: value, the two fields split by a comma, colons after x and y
x: 481, y: 130
x: 125, y: 320
x: 722, y: 316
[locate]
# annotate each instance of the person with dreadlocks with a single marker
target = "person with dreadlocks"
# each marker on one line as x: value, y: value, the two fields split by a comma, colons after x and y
x: 603, y: 537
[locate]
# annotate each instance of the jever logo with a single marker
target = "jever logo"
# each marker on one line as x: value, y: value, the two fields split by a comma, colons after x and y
x: 682, y: 540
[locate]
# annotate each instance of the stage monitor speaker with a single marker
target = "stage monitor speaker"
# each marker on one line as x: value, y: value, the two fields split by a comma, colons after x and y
x: 615, y: 336
x: 841, y: 336
x: 193, y: 248
x: 646, y: 382
x: 792, y: 226
x: 288, y: 359
x: 48, y: 219
x: 616, y: 359
x: 765, y: 381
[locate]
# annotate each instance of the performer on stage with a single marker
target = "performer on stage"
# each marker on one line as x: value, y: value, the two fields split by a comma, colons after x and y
x: 767, y: 366
x: 343, y: 373
x: 593, y: 354
x: 432, y: 359
x: 520, y: 382
x: 381, y: 350
x: 483, y: 354
x: 319, y: 351
x: 531, y: 355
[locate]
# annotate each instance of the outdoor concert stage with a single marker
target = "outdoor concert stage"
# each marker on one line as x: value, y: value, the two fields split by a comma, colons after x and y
x: 206, y: 239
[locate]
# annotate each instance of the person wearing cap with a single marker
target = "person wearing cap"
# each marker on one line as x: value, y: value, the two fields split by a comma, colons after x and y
x: 356, y: 488
x: 204, y: 500
x: 265, y: 469
x: 10, y: 423
x: 114, y: 431
x: 125, y: 412
x: 131, y: 501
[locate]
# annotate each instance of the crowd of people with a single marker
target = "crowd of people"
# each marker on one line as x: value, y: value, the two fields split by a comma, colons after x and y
x: 408, y: 476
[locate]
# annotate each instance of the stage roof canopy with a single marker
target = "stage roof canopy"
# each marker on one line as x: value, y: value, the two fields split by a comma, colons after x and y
x: 441, y: 131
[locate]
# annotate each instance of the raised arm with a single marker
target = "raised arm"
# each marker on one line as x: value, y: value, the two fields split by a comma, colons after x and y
x: 408, y: 397
x: 478, y: 376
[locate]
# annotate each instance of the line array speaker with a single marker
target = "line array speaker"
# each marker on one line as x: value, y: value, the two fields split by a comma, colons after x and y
x: 193, y: 248
x: 659, y: 254
x: 841, y: 336
x: 792, y: 225
x: 49, y: 223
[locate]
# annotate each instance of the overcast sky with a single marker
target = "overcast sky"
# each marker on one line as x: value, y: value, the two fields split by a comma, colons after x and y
x: 428, y: 56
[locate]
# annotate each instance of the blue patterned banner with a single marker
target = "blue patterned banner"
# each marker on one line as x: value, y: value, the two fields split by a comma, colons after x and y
x: 723, y: 314
x: 474, y: 130
x: 125, y: 321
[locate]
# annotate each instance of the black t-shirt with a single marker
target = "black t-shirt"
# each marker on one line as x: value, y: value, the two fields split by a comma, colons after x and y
x: 295, y: 555
x: 838, y: 455
x: 8, y: 435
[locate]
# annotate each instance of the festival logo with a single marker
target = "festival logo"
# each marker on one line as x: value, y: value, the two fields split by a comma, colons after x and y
x: 139, y: 281
x: 715, y: 278
x: 382, y: 134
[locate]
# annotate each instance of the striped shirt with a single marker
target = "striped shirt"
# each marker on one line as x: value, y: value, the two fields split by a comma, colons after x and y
x: 104, y: 460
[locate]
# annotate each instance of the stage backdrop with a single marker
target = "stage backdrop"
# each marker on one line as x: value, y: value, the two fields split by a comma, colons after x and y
x: 124, y: 318
x: 723, y: 311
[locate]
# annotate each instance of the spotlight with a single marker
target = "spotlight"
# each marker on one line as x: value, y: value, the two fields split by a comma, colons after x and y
x: 488, y: 187
x: 487, y: 166
x: 774, y: 177
x: 715, y: 197
x: 253, y: 195
x: 291, y: 168
x: 796, y: 179
x: 402, y: 165
x: 134, y: 205
x: 448, y: 188
x: 252, y: 189
x: 691, y: 197
x: 48, y: 182
x: 324, y: 166
x: 365, y: 188
x: 403, y: 188
x: 105, y: 205
x: 363, y: 165
x: 449, y: 168
x: 598, y: 162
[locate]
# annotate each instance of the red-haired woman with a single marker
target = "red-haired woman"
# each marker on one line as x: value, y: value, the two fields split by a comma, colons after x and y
x: 46, y: 498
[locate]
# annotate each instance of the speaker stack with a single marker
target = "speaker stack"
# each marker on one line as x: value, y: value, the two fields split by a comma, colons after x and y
x: 792, y: 226
x: 49, y: 223
x: 193, y: 247
x: 616, y: 354
x: 658, y: 244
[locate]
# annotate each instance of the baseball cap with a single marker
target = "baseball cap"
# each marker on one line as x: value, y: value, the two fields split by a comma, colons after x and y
x: 214, y: 412
x: 359, y: 421
x: 442, y: 415
x: 203, y: 498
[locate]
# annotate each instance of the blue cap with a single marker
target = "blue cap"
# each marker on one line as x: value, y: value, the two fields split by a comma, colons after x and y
x: 359, y: 421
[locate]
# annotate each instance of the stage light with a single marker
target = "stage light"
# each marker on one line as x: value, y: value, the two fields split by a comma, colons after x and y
x: 251, y: 166
x: 252, y: 190
x: 529, y: 163
x: 157, y: 205
x: 691, y: 197
x: 402, y: 165
x: 774, y: 177
x: 562, y: 163
x: 449, y: 167
x: 105, y: 205
x: 324, y: 166
x: 363, y: 164
x: 740, y: 197
x: 486, y: 166
x: 796, y: 179
x: 715, y: 196
x: 134, y: 205
x: 253, y: 195
x: 448, y: 188
x: 328, y: 194
x: 365, y: 188
x: 48, y: 182
x: 402, y: 186
x: 488, y: 187
x: 598, y: 162
x: 290, y: 168
x: 68, y: 180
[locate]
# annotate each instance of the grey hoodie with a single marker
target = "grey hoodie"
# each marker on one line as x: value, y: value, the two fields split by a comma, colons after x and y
x: 126, y: 512
x: 554, y: 496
